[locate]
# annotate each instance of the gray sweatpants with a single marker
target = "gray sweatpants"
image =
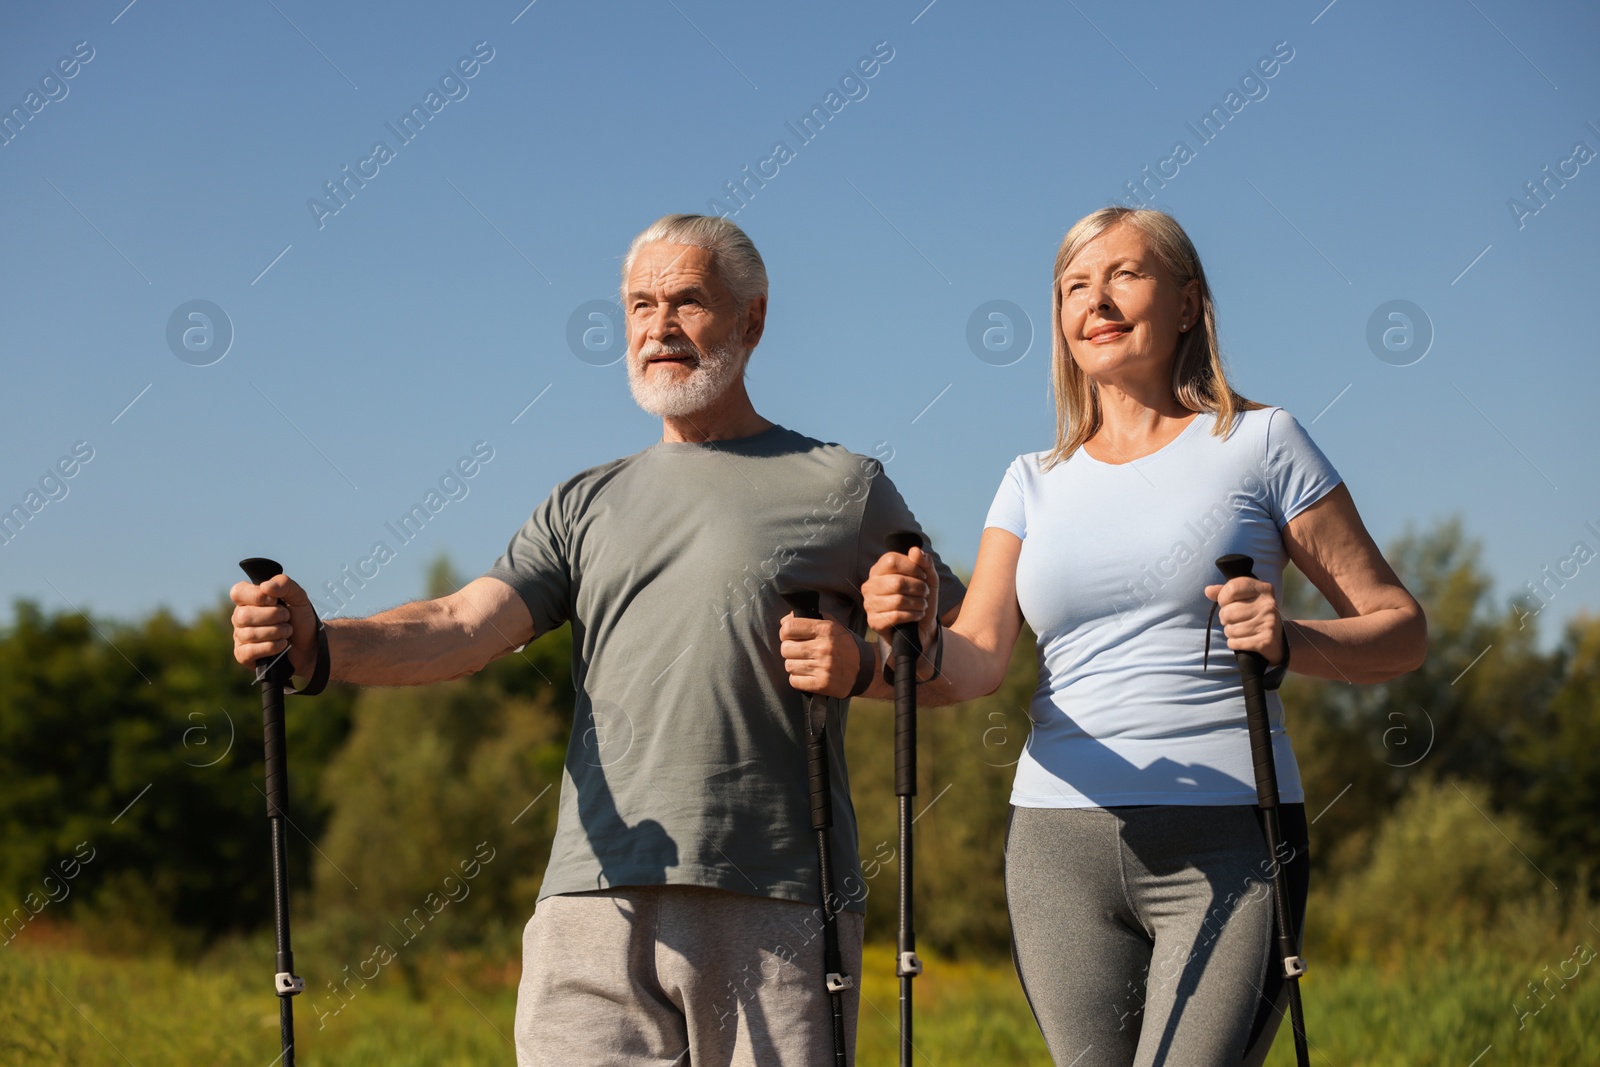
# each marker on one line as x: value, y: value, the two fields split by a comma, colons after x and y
x: 680, y: 976
x: 1143, y: 935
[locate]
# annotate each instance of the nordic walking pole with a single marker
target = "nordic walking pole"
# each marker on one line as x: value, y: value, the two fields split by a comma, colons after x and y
x: 906, y: 650
x: 804, y: 604
x: 1251, y: 666
x: 274, y: 673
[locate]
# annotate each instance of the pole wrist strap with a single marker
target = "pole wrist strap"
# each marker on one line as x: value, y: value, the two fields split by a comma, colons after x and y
x: 1273, y: 676
x: 868, y: 655
x: 319, y: 674
x: 938, y: 658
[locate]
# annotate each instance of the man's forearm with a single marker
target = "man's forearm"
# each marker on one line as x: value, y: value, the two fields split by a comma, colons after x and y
x: 413, y: 644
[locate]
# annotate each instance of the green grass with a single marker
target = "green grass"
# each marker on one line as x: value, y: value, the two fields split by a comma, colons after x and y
x: 966, y: 1013
x: 1446, y: 1012
x: 61, y: 1004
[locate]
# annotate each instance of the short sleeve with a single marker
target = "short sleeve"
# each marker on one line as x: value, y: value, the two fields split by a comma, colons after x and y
x: 536, y: 565
x: 885, y: 512
x: 1298, y: 474
x: 1007, y: 512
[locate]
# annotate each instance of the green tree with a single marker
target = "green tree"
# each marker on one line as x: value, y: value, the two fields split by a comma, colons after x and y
x: 144, y: 742
x: 430, y: 779
x: 1558, y: 752
x: 1459, y: 716
x: 1444, y: 872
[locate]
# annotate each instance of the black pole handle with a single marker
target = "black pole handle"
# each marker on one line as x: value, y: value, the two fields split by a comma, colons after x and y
x: 259, y: 569
x: 1252, y: 665
x: 905, y: 649
x: 273, y: 673
x: 805, y: 603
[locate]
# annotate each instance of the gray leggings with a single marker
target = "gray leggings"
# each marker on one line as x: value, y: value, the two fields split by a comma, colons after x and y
x: 1142, y: 935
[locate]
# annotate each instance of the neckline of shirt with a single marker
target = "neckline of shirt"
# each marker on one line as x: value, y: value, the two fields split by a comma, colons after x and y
x: 730, y: 444
x: 1148, y: 457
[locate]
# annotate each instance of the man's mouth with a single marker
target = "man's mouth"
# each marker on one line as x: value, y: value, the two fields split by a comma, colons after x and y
x: 680, y: 354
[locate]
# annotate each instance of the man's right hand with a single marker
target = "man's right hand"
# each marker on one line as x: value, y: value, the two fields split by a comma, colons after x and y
x: 263, y: 627
x: 899, y: 589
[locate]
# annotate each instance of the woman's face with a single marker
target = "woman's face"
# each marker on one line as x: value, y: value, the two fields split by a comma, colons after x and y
x: 1121, y: 311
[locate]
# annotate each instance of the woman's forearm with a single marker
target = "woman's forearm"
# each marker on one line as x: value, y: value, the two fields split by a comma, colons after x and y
x: 1361, y: 650
x: 968, y: 670
x: 1381, y: 631
x: 977, y: 637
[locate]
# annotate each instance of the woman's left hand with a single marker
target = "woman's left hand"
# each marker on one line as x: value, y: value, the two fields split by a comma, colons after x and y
x: 1250, y: 617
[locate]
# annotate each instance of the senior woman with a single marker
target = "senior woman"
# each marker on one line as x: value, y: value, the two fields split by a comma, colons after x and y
x: 1137, y: 876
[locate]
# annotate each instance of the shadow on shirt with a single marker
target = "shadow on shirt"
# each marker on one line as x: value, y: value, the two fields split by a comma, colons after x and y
x: 632, y: 856
x: 628, y: 855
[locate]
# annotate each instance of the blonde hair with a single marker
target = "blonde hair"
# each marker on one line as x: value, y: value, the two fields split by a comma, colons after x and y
x: 1198, y: 380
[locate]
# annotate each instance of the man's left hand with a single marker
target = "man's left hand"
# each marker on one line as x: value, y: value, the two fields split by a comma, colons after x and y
x: 820, y: 655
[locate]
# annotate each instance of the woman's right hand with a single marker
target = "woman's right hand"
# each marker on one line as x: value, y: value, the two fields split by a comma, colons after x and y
x: 902, y: 588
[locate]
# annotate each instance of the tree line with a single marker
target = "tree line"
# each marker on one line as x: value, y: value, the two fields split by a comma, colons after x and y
x: 130, y: 755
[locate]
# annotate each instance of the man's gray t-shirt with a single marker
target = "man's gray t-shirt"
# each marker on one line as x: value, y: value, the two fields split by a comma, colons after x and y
x: 687, y: 759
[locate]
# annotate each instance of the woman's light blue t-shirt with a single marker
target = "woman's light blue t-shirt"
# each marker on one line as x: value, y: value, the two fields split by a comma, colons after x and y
x: 1115, y: 560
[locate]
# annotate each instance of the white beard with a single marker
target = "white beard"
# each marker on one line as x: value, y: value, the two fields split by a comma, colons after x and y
x: 715, y: 369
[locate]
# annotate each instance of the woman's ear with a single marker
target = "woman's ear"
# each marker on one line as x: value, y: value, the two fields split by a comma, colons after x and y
x: 1191, y: 303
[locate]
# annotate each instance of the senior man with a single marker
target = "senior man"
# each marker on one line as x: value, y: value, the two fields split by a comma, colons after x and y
x: 678, y: 917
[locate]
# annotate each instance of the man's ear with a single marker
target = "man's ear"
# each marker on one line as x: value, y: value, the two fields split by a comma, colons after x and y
x: 755, y: 321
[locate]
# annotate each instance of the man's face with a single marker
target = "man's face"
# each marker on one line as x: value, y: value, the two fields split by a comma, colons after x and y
x: 686, y: 336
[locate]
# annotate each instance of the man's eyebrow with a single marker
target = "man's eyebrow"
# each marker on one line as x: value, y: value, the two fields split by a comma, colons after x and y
x: 694, y: 291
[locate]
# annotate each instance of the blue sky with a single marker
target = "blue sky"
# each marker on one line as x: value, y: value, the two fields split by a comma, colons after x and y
x: 374, y: 347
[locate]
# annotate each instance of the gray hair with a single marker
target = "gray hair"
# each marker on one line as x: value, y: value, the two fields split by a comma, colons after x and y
x: 738, y: 264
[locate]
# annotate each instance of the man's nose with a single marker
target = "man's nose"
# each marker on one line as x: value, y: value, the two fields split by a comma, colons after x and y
x: 662, y: 323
